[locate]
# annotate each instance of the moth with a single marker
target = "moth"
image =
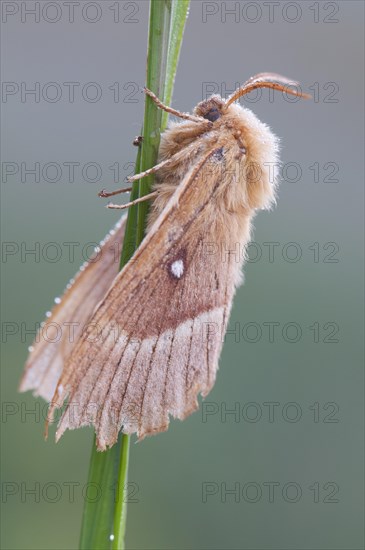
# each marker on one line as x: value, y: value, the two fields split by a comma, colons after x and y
x: 155, y: 329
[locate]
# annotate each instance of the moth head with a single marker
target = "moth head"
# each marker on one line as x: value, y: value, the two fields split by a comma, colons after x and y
x: 255, y: 150
x: 211, y: 109
x: 215, y: 107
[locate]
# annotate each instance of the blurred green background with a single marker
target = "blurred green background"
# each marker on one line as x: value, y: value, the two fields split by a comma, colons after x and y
x: 310, y: 370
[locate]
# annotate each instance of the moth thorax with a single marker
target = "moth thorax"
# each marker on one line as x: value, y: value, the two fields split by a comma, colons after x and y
x: 211, y: 108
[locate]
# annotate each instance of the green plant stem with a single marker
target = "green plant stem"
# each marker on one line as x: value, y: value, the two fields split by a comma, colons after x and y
x: 120, y: 514
x: 160, y: 19
x: 167, y: 19
x: 104, y: 521
x: 97, y: 523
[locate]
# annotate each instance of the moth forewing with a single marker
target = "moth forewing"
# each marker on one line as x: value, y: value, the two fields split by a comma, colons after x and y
x: 70, y: 317
x: 150, y: 361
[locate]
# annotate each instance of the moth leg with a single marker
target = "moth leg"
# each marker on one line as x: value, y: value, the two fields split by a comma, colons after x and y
x: 185, y: 116
x: 180, y: 155
x: 152, y: 170
x: 132, y: 203
x: 103, y: 193
x: 141, y: 175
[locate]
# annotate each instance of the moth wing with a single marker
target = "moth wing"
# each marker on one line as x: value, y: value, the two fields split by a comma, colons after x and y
x: 58, y: 334
x: 158, y: 331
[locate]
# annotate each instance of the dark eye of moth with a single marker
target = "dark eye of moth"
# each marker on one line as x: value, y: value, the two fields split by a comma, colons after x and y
x: 213, y: 114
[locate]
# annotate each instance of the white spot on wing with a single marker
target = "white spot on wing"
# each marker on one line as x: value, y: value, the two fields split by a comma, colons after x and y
x: 177, y: 269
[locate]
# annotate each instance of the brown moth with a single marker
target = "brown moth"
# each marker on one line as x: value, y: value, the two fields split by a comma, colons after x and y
x: 158, y: 325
